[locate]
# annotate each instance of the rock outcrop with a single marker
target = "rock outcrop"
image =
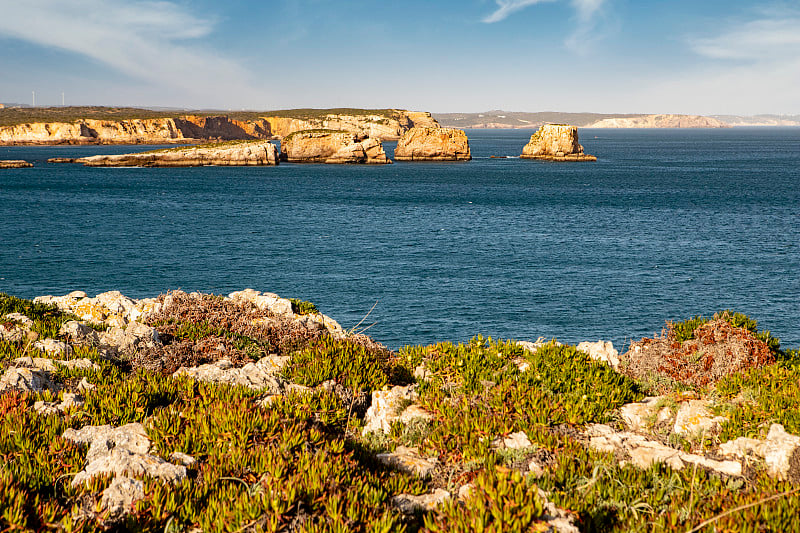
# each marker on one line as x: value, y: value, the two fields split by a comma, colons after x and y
x: 330, y: 146
x: 433, y: 144
x: 660, y: 121
x: 255, y: 153
x: 556, y: 142
x: 382, y: 125
x: 15, y: 163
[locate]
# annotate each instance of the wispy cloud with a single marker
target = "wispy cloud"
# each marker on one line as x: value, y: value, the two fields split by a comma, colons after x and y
x: 152, y: 41
x: 586, y: 15
x: 507, y: 7
x: 759, y: 40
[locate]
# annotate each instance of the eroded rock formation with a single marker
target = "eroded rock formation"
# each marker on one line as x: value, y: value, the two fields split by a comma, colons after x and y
x: 556, y: 142
x: 15, y: 163
x: 254, y: 153
x: 329, y: 146
x: 433, y: 144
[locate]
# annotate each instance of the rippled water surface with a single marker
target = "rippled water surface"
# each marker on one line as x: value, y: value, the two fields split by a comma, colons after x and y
x: 666, y: 224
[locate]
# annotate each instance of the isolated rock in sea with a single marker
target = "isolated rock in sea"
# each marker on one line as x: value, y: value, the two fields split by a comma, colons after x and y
x: 251, y: 153
x: 433, y: 144
x: 330, y: 146
x: 780, y: 451
x: 261, y: 375
x: 556, y: 142
x: 14, y: 163
x: 601, y: 351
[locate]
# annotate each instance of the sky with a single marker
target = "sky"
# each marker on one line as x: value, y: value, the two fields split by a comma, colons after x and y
x: 605, y: 56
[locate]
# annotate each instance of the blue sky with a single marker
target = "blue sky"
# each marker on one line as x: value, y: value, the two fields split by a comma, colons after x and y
x: 615, y: 56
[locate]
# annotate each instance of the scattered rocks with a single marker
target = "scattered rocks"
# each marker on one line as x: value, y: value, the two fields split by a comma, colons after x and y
x: 53, y: 347
x: 514, y: 441
x: 642, y: 452
x: 389, y: 406
x: 559, y: 520
x: 640, y: 416
x: 25, y: 379
x: 127, y: 341
x: 433, y: 144
x: 266, y: 301
x: 780, y: 451
x: 556, y: 142
x: 118, y: 499
x: 409, y: 460
x: 694, y: 419
x: 79, y: 333
x: 601, y: 351
x: 68, y: 401
x: 110, y: 308
x: 121, y: 451
x: 261, y: 375
x: 16, y: 327
x: 410, y: 504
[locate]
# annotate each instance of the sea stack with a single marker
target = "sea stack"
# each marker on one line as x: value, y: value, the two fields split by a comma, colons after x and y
x: 433, y: 144
x: 556, y: 142
x: 331, y: 146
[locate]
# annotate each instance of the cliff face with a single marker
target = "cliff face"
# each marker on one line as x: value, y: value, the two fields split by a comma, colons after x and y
x: 433, y: 144
x: 556, y: 142
x: 328, y: 146
x: 165, y: 130
x: 379, y: 127
x: 254, y: 153
x: 660, y: 121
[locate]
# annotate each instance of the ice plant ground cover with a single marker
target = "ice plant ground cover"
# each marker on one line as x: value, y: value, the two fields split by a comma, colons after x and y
x: 253, y: 413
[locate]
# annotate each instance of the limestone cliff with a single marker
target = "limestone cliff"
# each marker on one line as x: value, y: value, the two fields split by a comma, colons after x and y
x: 433, y: 144
x: 384, y: 127
x: 330, y: 146
x: 254, y: 153
x: 556, y: 142
x: 387, y: 125
x: 660, y: 121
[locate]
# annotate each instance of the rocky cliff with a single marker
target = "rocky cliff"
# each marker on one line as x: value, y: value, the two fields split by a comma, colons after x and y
x: 556, y: 142
x: 330, y: 146
x: 253, y: 153
x: 386, y: 125
x: 660, y: 121
x: 389, y: 126
x: 433, y: 144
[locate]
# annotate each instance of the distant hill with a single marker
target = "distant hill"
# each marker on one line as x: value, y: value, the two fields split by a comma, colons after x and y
x: 759, y: 120
x: 520, y: 120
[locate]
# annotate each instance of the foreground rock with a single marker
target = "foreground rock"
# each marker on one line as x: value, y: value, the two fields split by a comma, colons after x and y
x: 780, y: 451
x: 433, y: 144
x: 255, y: 153
x: 329, y: 146
x: 556, y: 142
x: 15, y: 163
x: 261, y: 375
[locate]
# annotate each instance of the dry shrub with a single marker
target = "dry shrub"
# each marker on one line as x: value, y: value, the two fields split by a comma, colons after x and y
x: 717, y: 349
x: 203, y: 329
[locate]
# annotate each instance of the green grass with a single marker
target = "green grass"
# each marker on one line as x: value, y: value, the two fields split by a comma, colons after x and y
x: 317, y: 130
x: 303, y: 307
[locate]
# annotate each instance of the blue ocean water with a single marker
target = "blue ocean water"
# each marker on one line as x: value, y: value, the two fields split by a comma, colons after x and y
x: 667, y: 224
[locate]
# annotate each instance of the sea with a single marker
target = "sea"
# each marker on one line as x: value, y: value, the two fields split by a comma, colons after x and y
x: 667, y: 224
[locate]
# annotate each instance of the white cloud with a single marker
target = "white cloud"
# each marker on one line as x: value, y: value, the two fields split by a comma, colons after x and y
x: 757, y: 40
x: 507, y: 7
x: 151, y: 41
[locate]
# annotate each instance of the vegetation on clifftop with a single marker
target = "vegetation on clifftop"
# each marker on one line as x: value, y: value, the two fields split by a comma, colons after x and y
x: 299, y: 461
